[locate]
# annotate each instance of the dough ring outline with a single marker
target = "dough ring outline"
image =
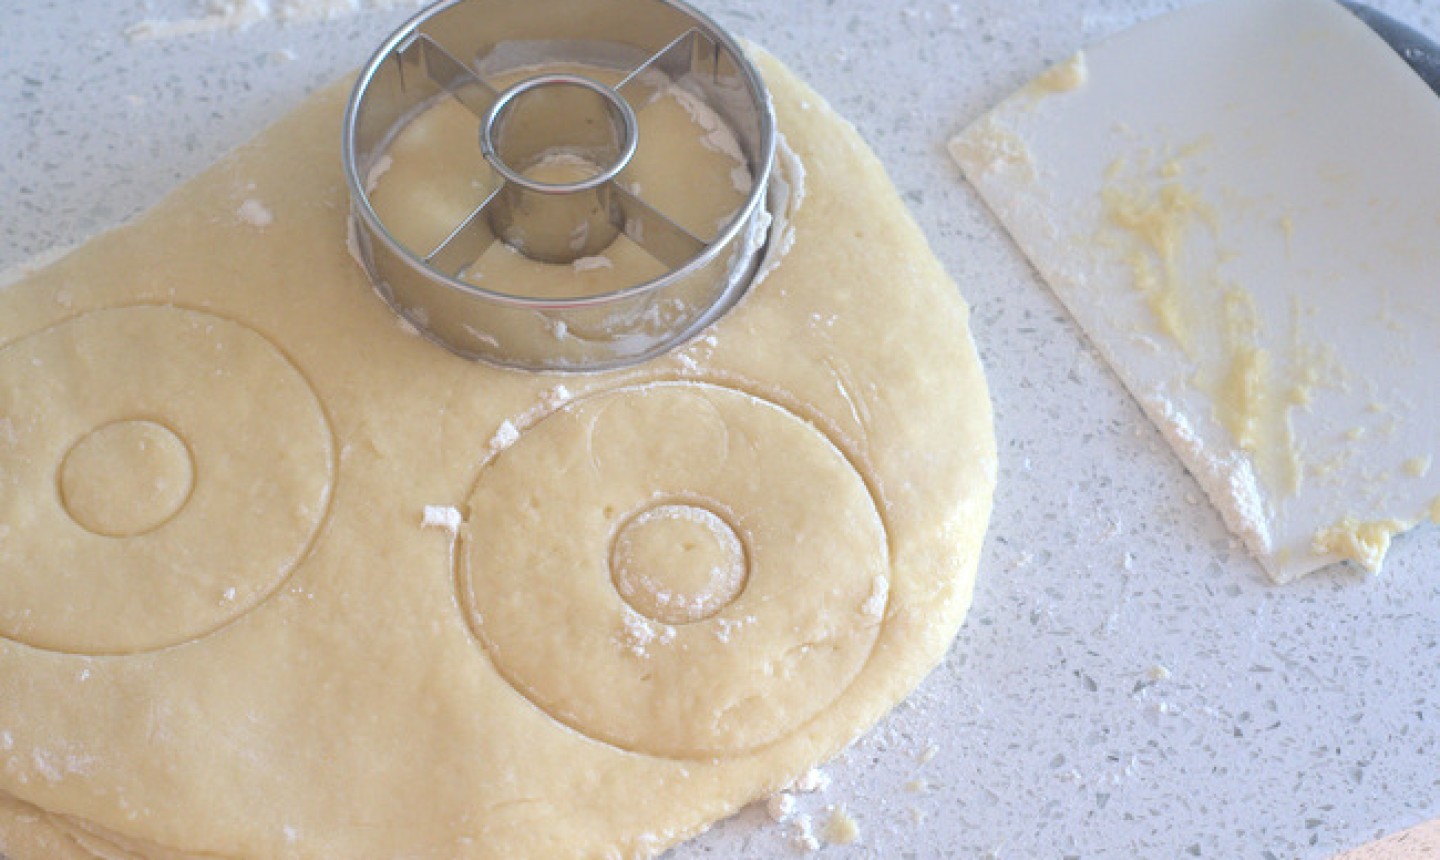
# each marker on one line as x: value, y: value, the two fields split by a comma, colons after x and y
x: 261, y: 451
x: 535, y: 569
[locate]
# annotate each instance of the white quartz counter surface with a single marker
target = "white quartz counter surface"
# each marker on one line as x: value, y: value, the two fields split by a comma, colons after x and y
x: 1127, y: 683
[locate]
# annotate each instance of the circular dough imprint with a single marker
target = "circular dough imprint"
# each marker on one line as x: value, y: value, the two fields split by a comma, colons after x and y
x: 126, y: 478
x: 164, y: 470
x: 678, y: 564
x: 581, y: 506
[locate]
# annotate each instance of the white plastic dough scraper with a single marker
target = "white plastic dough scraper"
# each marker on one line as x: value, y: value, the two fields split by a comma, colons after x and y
x: 1239, y: 202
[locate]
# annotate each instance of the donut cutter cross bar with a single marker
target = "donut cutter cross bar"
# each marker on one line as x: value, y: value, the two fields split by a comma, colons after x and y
x: 453, y: 50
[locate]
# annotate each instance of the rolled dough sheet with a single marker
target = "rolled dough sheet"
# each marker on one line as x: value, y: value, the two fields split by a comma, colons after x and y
x: 280, y: 579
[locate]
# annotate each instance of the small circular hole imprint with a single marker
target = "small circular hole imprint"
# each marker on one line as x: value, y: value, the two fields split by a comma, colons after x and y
x: 678, y: 563
x: 126, y: 478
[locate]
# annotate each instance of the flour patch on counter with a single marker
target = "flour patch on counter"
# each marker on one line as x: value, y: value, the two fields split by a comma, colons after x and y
x: 1228, y: 479
x: 218, y: 16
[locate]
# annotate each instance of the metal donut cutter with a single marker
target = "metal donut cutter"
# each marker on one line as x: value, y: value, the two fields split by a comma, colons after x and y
x: 450, y: 50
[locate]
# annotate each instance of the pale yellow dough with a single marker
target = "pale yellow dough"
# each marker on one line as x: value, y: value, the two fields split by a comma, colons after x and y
x: 231, y: 628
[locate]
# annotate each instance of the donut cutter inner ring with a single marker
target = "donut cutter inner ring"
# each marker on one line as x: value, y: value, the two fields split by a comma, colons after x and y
x: 450, y: 50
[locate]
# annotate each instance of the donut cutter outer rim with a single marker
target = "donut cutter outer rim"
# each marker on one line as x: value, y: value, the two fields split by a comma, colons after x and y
x: 743, y: 237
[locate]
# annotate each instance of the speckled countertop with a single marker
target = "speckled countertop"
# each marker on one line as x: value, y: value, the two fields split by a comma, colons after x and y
x: 1127, y: 683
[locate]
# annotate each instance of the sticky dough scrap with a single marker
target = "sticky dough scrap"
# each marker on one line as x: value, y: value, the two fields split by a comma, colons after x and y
x: 301, y: 668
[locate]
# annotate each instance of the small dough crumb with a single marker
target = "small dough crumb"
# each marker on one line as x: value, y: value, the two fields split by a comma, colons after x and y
x: 841, y: 828
x: 1418, y: 467
x: 1363, y: 542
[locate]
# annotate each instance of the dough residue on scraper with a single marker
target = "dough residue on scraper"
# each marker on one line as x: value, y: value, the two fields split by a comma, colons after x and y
x: 991, y: 146
x: 1162, y: 226
x: 1253, y: 381
x: 1363, y: 542
x: 1063, y: 77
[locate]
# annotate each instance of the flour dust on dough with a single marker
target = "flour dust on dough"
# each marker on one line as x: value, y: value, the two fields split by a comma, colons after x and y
x: 688, y: 581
